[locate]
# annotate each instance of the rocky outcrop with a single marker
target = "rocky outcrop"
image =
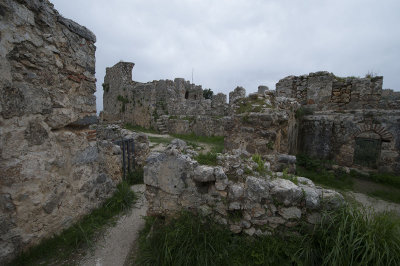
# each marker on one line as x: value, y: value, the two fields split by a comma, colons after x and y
x: 244, y: 200
x: 52, y: 168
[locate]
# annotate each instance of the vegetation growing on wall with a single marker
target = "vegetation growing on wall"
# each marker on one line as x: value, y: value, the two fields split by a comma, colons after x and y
x: 208, y: 94
x: 106, y: 87
x: 303, y: 111
x: 124, y: 101
x: 247, y: 105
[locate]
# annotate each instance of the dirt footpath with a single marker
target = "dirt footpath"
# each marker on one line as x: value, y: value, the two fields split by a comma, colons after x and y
x: 377, y: 204
x: 113, y: 248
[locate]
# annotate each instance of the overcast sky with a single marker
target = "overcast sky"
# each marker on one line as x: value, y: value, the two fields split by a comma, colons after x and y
x: 245, y: 43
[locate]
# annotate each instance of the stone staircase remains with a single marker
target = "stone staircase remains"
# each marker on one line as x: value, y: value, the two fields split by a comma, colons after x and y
x: 161, y: 125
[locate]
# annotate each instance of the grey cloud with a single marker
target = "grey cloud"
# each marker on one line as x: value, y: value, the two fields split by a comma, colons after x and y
x: 241, y: 42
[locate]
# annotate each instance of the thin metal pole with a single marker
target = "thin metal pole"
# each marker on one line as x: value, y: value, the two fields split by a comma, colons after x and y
x: 123, y: 158
x: 133, y: 153
x: 129, y: 155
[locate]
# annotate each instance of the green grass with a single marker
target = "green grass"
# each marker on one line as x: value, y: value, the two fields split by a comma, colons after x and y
x: 135, y: 177
x: 80, y: 235
x: 246, y: 106
x: 385, y: 195
x: 216, y: 141
x: 385, y: 178
x: 344, y: 237
x: 316, y: 170
x: 337, y: 179
x: 209, y: 158
x: 160, y: 140
x: 260, y: 163
x: 140, y: 129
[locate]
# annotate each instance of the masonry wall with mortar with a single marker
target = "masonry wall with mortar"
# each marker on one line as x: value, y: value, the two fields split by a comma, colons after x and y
x: 52, y: 168
x: 244, y: 201
x: 145, y: 104
x: 344, y: 111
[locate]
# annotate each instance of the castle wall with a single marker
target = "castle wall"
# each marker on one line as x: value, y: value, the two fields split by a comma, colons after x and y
x: 52, y: 169
x: 144, y: 103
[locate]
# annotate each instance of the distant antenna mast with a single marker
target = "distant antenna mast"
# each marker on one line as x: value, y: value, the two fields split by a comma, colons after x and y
x: 192, y: 76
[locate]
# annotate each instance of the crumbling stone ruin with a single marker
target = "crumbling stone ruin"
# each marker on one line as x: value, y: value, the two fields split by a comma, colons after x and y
x: 53, y: 169
x: 171, y: 106
x: 57, y: 163
x: 231, y: 193
x: 351, y: 121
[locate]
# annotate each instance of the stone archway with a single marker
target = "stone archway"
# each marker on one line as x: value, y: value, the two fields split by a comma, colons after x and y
x: 363, y: 147
x: 367, y: 144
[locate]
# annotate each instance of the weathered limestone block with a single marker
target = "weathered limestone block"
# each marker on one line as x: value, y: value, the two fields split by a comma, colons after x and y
x: 236, y: 94
x: 285, y: 191
x: 204, y: 173
x: 175, y: 171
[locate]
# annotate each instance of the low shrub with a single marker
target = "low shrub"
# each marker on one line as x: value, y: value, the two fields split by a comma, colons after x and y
x: 260, y: 163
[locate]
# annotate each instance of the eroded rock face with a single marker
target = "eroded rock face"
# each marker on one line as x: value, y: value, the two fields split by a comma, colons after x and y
x: 175, y: 181
x: 52, y: 168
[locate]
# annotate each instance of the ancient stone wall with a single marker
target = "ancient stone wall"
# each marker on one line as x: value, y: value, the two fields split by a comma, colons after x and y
x: 52, y: 168
x: 325, y: 91
x: 262, y: 124
x: 349, y: 120
x: 364, y: 139
x: 144, y: 104
x: 232, y: 193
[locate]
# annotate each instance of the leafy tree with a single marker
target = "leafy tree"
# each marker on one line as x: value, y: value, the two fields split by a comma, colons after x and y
x: 207, y: 93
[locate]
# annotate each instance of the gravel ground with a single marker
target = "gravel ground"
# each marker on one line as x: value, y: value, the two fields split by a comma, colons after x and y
x: 114, y: 247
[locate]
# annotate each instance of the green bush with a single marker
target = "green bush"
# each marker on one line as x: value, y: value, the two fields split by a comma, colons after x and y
x: 208, y: 94
x: 106, y: 87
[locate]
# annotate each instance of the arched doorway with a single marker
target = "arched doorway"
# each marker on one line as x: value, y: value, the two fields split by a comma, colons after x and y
x: 367, y: 149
